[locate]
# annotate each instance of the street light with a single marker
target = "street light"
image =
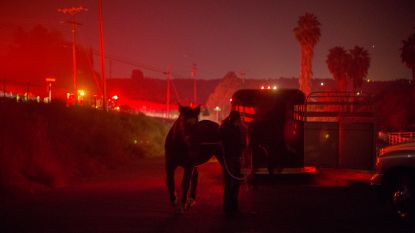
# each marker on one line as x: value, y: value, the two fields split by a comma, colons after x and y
x: 50, y: 81
x: 217, y: 109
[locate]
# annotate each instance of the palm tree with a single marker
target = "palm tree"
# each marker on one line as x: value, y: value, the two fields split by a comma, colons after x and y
x: 359, y: 66
x: 308, y: 34
x: 338, y: 61
x: 408, y: 54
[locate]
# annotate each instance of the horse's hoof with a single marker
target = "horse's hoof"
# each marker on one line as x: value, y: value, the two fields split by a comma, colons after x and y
x: 190, y: 203
x: 179, y: 209
x: 174, y: 203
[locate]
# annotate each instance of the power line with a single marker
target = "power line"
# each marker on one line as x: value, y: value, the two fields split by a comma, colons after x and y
x: 132, y: 63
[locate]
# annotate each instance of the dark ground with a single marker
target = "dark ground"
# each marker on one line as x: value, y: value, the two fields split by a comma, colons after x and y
x: 136, y: 200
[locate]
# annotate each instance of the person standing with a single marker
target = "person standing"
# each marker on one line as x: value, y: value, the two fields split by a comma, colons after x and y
x: 234, y: 139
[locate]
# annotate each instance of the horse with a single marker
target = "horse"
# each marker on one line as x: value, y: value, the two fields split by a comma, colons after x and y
x: 189, y: 143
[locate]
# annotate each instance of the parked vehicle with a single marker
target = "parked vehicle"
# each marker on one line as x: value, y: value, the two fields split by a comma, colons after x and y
x: 395, y: 175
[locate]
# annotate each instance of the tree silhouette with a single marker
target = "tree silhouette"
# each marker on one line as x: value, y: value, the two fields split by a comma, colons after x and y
x: 223, y: 92
x: 338, y: 61
x: 408, y: 54
x: 40, y: 53
x: 137, y: 74
x: 343, y: 65
x: 359, y: 66
x: 308, y: 34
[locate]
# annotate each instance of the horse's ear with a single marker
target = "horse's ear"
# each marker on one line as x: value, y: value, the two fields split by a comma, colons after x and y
x: 198, y: 109
x: 180, y: 107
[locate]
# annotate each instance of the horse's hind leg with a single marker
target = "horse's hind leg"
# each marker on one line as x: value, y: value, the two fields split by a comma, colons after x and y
x: 170, y: 169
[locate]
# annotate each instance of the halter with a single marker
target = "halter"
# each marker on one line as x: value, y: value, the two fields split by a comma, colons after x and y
x: 179, y: 130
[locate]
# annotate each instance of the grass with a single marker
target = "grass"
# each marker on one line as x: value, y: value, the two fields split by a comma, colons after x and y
x: 50, y: 145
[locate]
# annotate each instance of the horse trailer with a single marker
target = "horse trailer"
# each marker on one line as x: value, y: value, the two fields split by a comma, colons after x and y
x: 290, y: 133
x: 276, y: 134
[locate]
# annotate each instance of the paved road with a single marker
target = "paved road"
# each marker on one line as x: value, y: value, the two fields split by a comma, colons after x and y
x: 136, y: 201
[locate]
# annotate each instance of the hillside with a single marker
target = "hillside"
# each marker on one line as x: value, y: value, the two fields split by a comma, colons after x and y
x: 154, y: 90
x: 48, y: 145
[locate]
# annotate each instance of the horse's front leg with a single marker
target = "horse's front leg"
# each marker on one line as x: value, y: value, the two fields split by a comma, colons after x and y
x: 170, y: 169
x: 187, y: 176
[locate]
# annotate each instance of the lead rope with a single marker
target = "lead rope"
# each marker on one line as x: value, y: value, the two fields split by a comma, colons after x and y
x: 228, y: 170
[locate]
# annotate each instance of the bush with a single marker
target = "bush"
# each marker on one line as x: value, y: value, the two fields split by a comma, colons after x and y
x: 49, y: 145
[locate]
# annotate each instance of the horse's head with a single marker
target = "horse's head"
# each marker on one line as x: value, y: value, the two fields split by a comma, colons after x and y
x: 189, y: 117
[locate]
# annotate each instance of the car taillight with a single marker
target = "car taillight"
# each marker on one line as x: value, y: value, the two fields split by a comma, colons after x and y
x: 377, y: 164
x: 381, y: 152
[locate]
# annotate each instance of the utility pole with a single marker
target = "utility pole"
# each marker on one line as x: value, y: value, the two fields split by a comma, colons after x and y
x: 243, y: 77
x: 27, y: 91
x: 102, y: 61
x: 72, y: 11
x: 194, y: 84
x: 110, y: 68
x: 167, y: 73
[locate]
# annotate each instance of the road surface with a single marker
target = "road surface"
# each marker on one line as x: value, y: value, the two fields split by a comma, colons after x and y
x: 136, y: 200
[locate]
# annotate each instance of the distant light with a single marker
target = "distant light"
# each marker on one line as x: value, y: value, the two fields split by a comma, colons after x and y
x: 274, y: 87
x: 50, y: 80
x: 327, y: 136
x: 358, y: 93
x: 322, y: 84
x: 115, y: 97
x: 217, y: 108
x: 81, y: 92
x: 230, y: 100
x: 269, y: 87
x: 368, y: 80
x: 262, y: 87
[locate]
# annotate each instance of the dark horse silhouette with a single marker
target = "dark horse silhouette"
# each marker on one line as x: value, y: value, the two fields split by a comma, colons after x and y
x: 189, y: 143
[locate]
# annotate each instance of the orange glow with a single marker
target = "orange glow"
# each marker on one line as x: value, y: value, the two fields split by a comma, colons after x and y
x: 81, y: 92
x: 115, y: 97
x: 245, y: 109
x: 247, y: 119
x: 51, y: 80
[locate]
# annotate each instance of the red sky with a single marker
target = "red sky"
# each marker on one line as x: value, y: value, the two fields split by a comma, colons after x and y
x: 248, y: 36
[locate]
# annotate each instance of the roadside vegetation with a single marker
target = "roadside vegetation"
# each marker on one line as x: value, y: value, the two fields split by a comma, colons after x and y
x: 50, y: 145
